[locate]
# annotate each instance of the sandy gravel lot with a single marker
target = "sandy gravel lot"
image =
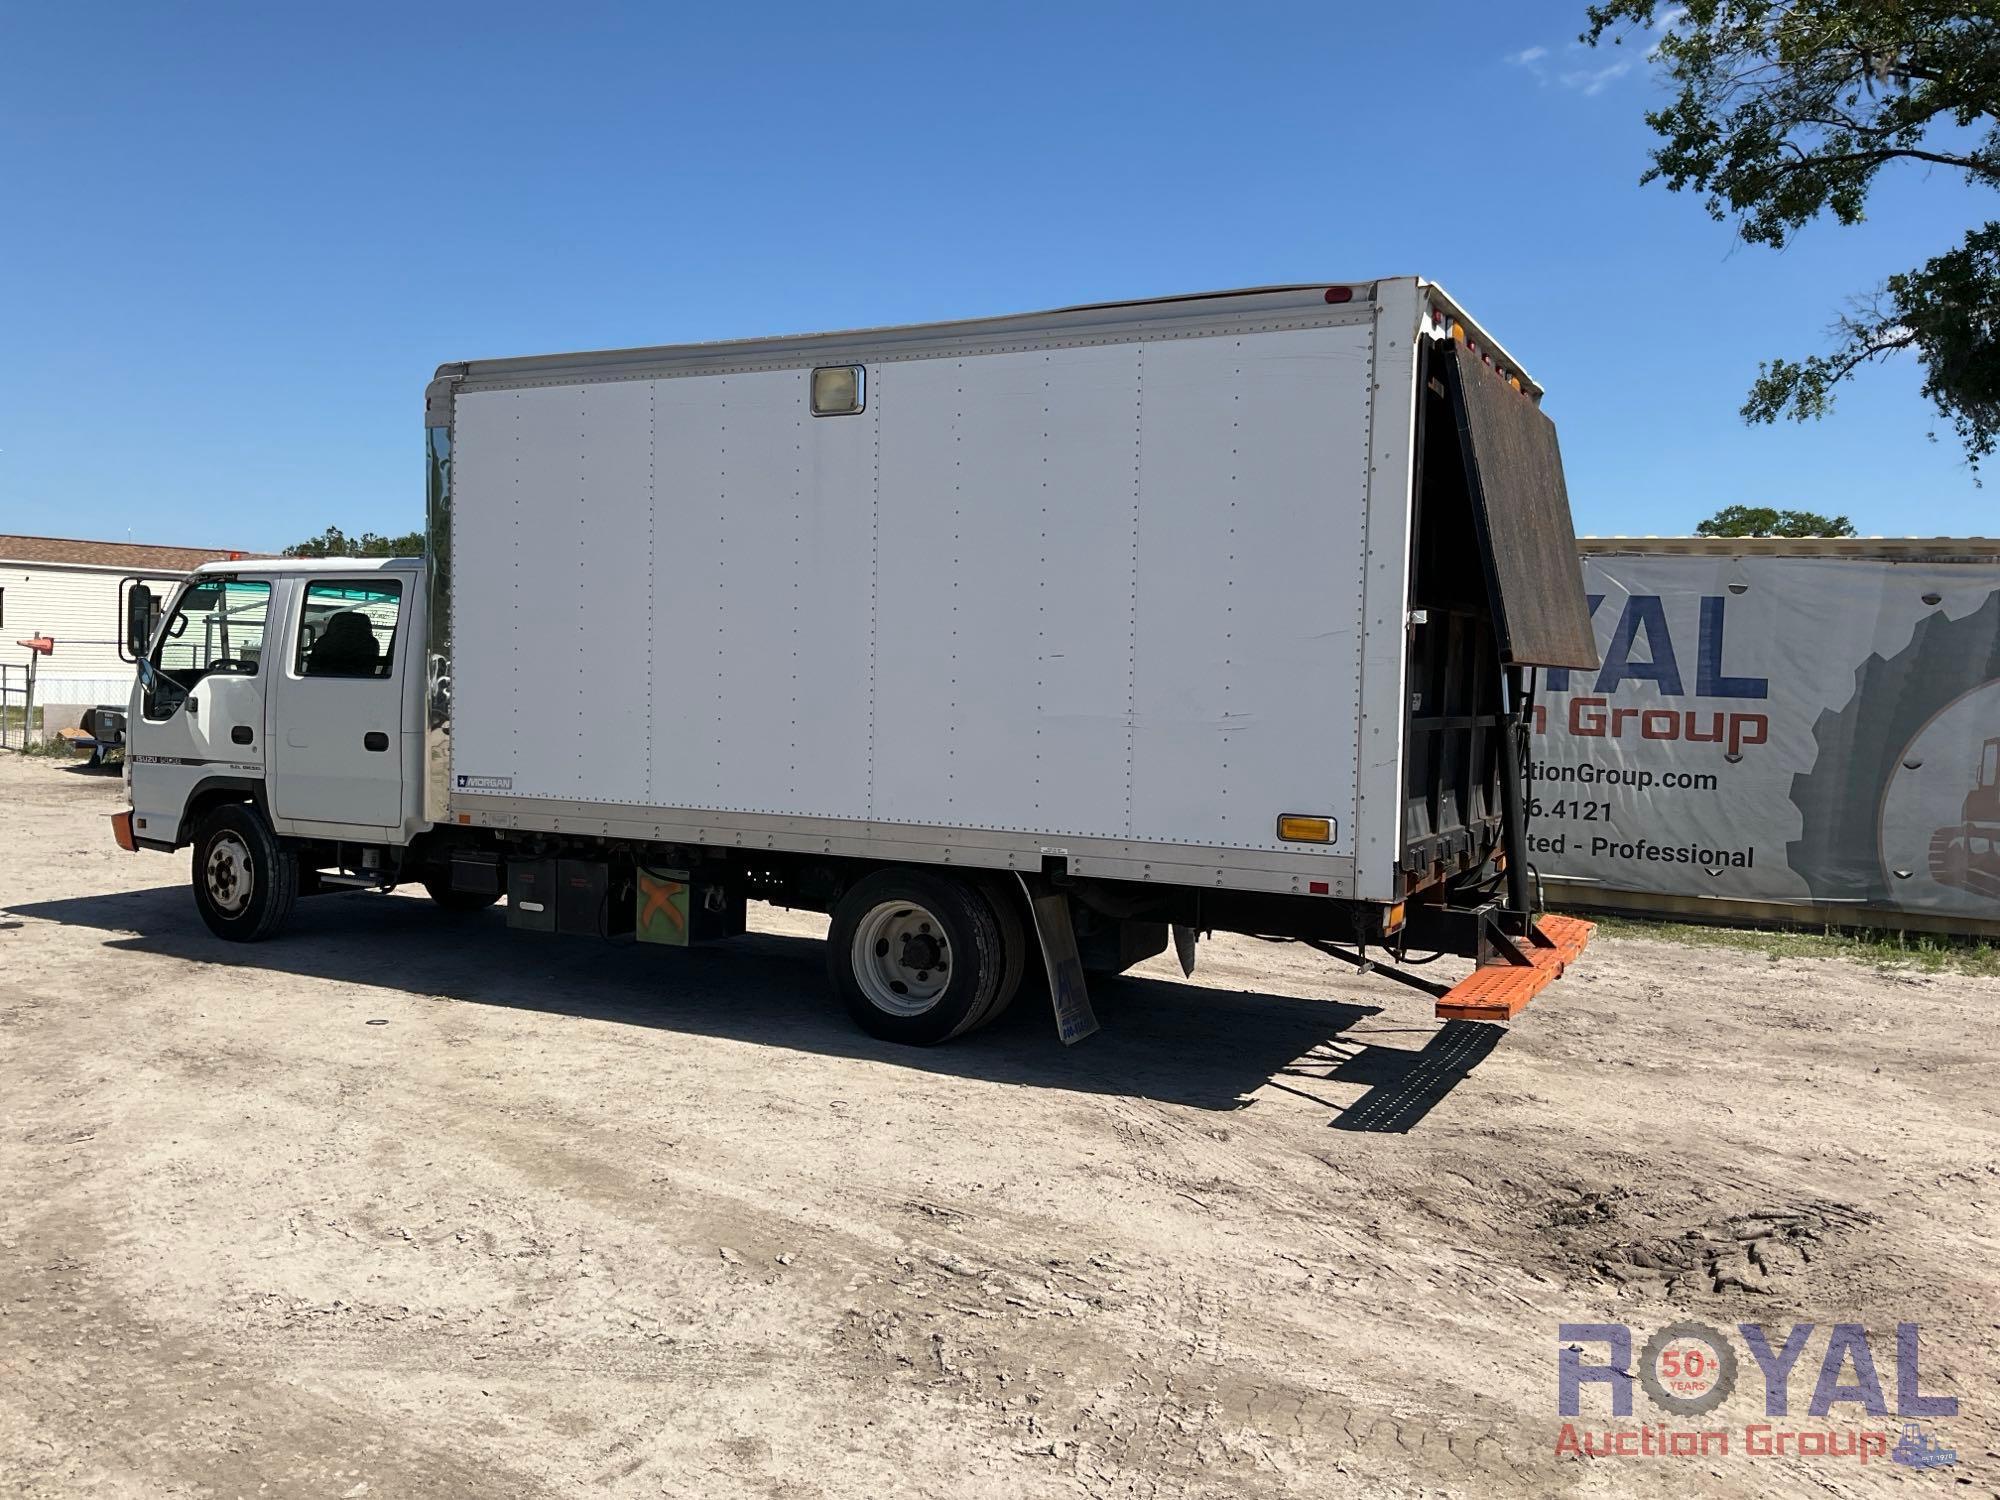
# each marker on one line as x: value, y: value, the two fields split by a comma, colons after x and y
x: 400, y: 1206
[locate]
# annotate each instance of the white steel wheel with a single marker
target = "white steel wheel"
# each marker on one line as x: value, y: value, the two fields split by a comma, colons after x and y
x: 246, y: 880
x: 917, y: 957
x: 902, y: 958
x: 228, y: 873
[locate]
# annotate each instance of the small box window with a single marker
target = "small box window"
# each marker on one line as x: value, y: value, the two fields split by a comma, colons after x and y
x: 838, y: 390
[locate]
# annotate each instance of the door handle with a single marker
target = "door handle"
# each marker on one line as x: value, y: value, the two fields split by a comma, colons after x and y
x: 193, y: 707
x: 241, y: 734
x: 375, y: 739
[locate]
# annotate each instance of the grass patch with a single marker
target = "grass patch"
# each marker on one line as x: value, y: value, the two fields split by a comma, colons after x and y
x: 1884, y: 950
x: 15, y: 732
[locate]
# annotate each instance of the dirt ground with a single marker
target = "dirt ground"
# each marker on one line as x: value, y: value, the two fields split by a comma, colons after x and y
x: 395, y: 1205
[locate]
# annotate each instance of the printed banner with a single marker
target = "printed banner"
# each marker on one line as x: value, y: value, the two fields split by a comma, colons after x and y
x: 1783, y: 729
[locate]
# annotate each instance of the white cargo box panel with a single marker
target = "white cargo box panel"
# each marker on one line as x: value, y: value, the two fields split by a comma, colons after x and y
x: 1098, y: 594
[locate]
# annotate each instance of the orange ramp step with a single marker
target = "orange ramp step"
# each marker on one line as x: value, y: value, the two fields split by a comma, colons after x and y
x: 1499, y: 992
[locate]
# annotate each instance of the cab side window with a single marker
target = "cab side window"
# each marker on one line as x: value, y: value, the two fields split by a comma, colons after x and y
x: 348, y: 629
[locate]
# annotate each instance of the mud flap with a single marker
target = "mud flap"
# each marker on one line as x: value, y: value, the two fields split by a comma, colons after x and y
x: 1184, y: 949
x: 1075, y: 1020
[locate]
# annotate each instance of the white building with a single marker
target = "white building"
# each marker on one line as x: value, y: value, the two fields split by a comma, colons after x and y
x: 70, y: 591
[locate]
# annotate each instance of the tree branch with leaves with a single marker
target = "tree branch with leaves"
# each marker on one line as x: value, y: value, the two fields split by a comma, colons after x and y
x: 1785, y: 110
x: 1762, y: 520
x: 333, y: 542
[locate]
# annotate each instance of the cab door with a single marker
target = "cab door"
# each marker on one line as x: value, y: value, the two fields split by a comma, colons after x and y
x: 336, y: 712
x: 200, y: 700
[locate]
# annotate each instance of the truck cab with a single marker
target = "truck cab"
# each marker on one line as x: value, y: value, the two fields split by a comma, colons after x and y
x: 294, y: 686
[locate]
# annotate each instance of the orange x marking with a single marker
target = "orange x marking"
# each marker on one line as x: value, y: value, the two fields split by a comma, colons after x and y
x: 660, y: 898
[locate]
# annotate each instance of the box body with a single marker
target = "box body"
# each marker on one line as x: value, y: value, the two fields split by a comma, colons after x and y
x: 1116, y: 587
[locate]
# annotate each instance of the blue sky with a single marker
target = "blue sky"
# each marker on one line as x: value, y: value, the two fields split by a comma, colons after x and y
x: 239, y: 238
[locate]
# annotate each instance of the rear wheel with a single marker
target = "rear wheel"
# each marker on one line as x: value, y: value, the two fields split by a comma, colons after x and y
x: 1007, y: 908
x: 458, y: 902
x: 245, y: 881
x: 918, y: 958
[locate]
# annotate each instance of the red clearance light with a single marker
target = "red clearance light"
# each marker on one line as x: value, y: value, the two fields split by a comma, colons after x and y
x: 1317, y: 887
x: 1340, y: 294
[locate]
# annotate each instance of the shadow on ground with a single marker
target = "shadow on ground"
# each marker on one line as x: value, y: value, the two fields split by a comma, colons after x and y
x: 1163, y: 1040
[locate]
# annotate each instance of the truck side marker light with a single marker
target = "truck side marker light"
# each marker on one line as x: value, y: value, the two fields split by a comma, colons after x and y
x: 1340, y: 294
x: 1297, y: 828
x: 1318, y: 888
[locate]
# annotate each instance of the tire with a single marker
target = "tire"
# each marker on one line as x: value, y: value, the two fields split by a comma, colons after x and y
x: 916, y: 958
x: 1838, y: 850
x: 1016, y: 955
x: 245, y: 881
x: 458, y: 903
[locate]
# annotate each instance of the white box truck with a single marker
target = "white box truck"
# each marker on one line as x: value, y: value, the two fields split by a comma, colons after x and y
x: 1055, y: 636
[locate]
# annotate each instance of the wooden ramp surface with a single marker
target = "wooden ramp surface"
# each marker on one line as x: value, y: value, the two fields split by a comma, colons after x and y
x: 1498, y: 992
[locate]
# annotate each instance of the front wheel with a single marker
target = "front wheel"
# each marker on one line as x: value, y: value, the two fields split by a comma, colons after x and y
x: 245, y: 881
x: 918, y: 958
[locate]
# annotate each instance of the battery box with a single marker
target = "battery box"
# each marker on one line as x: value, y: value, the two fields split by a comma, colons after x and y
x: 593, y: 898
x: 531, y: 894
x: 576, y: 897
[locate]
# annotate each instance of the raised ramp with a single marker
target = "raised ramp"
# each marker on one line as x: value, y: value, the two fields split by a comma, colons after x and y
x: 1499, y: 992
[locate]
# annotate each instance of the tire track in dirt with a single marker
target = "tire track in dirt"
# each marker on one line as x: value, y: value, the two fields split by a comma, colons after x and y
x: 91, y: 1389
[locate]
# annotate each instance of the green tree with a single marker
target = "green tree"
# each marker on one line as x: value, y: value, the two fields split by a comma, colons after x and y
x: 1761, y: 520
x: 1785, y: 110
x: 333, y: 542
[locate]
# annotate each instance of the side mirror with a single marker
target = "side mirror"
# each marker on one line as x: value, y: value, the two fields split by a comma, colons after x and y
x: 142, y: 613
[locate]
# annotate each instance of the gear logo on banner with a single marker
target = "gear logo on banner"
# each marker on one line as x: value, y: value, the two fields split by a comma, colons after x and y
x: 1920, y: 729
